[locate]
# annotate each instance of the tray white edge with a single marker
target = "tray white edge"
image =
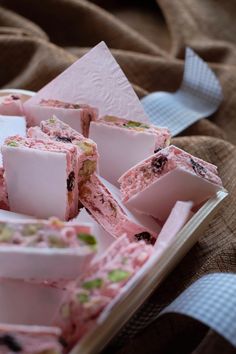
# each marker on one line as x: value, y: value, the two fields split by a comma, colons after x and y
x: 123, y: 310
x: 16, y: 91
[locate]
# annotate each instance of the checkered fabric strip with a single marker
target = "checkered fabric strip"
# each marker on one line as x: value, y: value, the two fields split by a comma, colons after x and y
x: 221, y: 285
x: 212, y: 301
x: 199, y: 96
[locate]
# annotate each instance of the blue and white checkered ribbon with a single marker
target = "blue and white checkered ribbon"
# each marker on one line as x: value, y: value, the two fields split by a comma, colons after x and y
x: 212, y: 301
x: 199, y: 96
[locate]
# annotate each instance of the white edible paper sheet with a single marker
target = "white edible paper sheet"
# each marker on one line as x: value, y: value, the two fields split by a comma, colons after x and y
x: 27, y: 303
x: 40, y: 188
x: 159, y: 198
x: 199, y: 96
x: 95, y: 79
x: 120, y: 149
x: 11, y: 125
x: 139, y: 218
x: 178, y: 217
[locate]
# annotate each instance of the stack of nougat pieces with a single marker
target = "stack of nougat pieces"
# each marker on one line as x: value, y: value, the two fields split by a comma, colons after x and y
x: 90, y: 192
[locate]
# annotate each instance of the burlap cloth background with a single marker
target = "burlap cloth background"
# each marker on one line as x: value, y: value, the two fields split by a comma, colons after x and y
x: 40, y: 38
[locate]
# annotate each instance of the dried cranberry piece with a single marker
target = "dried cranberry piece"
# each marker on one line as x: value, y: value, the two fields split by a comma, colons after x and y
x: 71, y: 181
x: 198, y: 169
x: 157, y: 150
x: 64, y: 139
x: 10, y: 342
x: 145, y: 236
x: 14, y: 97
x: 63, y: 342
x: 158, y: 163
x: 102, y: 198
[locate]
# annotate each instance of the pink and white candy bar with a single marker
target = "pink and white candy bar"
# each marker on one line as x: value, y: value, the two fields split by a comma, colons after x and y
x: 78, y: 116
x: 42, y: 234
x: 103, y: 281
x: 11, y: 105
x: 57, y: 130
x: 123, y: 143
x: 154, y: 185
x: 48, y: 250
x: 29, y: 339
x: 41, y: 177
x: 103, y: 201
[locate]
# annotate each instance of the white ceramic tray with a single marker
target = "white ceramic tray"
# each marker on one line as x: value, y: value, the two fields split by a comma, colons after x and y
x: 151, y: 276
x: 148, y: 279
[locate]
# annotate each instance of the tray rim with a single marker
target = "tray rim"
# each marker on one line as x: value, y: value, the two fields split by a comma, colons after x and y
x: 130, y: 301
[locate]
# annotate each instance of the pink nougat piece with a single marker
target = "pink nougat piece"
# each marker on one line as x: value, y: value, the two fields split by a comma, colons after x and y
x: 103, y: 201
x: 36, y: 133
x: 51, y: 233
x: 29, y: 339
x: 41, y: 177
x: 78, y: 116
x: 11, y: 105
x: 102, y: 282
x: 40, y: 247
x: 57, y: 130
x: 154, y: 185
x: 123, y: 143
x: 3, y: 192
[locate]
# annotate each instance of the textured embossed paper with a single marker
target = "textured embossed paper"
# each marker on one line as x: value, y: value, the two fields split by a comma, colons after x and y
x: 97, y: 80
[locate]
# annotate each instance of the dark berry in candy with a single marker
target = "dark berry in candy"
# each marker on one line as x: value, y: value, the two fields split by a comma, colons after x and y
x: 14, y: 97
x: 71, y: 181
x: 157, y: 150
x: 145, y: 236
x: 158, y: 163
x: 64, y: 139
x: 10, y: 342
x: 198, y: 169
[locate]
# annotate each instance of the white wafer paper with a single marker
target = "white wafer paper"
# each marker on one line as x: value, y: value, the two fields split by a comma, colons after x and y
x: 159, y: 198
x: 6, y: 215
x: 28, y: 303
x: 40, y: 187
x: 95, y: 79
x: 199, y: 96
x: 11, y: 125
